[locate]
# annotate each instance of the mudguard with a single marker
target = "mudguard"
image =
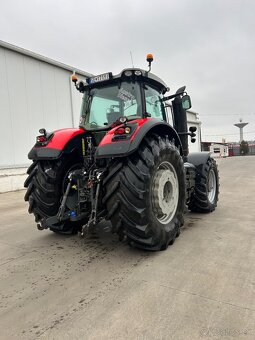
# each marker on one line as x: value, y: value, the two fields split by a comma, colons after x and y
x: 64, y: 140
x: 112, y: 148
x: 198, y: 159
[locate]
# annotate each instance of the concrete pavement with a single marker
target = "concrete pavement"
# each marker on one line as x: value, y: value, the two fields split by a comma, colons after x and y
x: 58, y: 287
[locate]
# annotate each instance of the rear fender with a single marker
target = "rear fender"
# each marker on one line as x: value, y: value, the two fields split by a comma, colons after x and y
x: 198, y: 159
x: 63, y: 141
x: 142, y: 127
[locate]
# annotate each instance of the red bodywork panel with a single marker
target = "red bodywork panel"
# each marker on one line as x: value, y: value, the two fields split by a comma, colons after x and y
x: 108, y: 137
x: 62, y: 137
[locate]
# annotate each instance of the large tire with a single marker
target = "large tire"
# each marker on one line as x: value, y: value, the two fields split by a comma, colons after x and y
x: 205, y: 197
x: 45, y: 185
x: 145, y: 194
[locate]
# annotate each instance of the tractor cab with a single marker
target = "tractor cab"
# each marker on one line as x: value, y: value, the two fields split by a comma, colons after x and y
x: 133, y: 94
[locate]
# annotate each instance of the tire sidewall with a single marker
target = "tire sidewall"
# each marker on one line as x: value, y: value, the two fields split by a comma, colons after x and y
x: 128, y: 194
x: 160, y: 230
x: 213, y: 167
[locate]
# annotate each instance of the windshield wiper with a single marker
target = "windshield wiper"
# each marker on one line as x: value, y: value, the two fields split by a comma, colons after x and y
x: 126, y: 108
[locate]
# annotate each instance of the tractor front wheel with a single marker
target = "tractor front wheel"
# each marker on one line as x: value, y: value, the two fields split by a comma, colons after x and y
x: 205, y: 196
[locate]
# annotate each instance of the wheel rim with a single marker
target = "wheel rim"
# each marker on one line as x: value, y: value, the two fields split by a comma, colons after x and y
x: 211, y: 186
x: 165, y: 193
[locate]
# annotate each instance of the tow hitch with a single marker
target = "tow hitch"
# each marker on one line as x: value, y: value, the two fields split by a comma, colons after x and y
x: 95, y: 184
x: 63, y: 215
x: 92, y: 192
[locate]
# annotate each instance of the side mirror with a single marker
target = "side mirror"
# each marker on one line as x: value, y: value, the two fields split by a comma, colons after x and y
x: 186, y: 102
x: 192, y: 134
x: 193, y: 129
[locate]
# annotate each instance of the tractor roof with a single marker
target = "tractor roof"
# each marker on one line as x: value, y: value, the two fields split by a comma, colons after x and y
x: 127, y: 74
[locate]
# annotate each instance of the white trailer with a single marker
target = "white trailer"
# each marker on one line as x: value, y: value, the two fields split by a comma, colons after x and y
x: 219, y: 150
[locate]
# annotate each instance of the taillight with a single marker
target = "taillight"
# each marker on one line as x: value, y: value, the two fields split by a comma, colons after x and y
x: 44, y: 138
x: 122, y: 130
x: 41, y: 139
x: 119, y: 131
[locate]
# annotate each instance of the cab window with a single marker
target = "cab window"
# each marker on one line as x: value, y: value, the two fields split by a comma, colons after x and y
x: 169, y: 114
x: 153, y: 102
x: 104, y: 105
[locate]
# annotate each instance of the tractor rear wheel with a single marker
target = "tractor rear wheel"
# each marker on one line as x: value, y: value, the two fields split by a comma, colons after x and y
x: 205, y: 196
x: 45, y: 185
x: 145, y: 194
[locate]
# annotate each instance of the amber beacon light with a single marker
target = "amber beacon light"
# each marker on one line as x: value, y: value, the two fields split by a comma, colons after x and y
x: 150, y: 60
x: 74, y: 78
x: 149, y: 57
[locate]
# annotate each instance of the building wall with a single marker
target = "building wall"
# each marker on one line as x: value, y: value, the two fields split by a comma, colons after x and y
x: 234, y: 150
x: 35, y: 92
x: 192, y: 120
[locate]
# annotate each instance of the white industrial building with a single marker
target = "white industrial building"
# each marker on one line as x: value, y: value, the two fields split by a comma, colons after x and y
x: 35, y: 92
x: 193, y: 120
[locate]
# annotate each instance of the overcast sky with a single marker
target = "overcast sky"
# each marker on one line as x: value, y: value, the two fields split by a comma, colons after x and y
x: 207, y: 45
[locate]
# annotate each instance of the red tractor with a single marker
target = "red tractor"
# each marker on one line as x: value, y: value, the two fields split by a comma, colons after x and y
x: 125, y: 163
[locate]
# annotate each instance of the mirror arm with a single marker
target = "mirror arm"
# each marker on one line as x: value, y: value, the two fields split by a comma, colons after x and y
x: 173, y: 96
x: 185, y: 134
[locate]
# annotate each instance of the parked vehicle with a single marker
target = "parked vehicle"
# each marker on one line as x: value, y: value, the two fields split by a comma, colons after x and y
x: 124, y: 163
